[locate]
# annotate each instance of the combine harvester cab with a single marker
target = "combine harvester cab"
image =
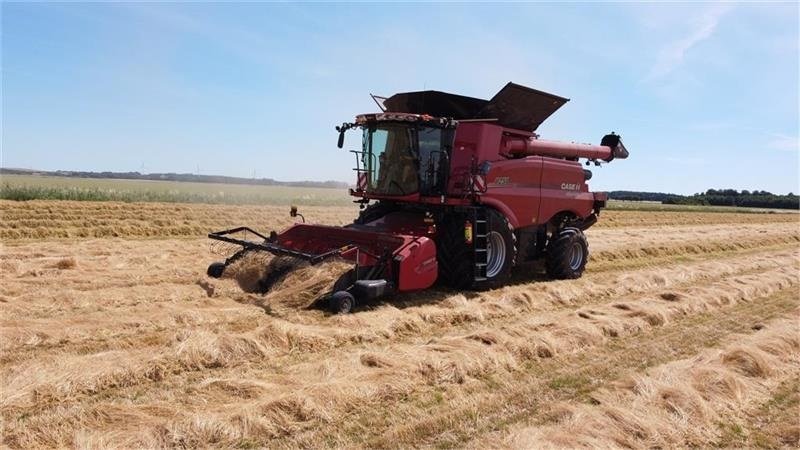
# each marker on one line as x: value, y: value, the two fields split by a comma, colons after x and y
x: 453, y: 189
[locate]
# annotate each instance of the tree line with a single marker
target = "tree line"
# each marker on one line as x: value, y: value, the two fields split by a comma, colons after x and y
x: 715, y: 197
x: 177, y: 177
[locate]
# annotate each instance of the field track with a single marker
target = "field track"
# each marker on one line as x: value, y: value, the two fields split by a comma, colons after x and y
x: 683, y: 332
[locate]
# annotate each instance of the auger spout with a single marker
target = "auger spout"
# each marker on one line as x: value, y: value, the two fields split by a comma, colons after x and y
x: 611, y: 148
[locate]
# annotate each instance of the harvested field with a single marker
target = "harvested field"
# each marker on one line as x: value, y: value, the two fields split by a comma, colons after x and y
x: 683, y: 332
x: 43, y: 219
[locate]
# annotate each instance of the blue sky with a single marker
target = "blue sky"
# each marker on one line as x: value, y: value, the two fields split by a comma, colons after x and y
x: 704, y: 95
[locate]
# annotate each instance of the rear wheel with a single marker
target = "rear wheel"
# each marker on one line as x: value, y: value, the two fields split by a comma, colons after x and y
x: 567, y: 254
x: 457, y: 258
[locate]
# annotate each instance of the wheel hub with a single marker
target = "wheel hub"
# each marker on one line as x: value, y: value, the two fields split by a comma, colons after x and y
x: 575, y: 256
x: 495, y: 253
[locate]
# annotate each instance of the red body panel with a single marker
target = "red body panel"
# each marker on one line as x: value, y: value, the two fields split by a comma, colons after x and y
x: 528, y: 190
x: 531, y: 190
x: 473, y: 142
x: 515, y: 185
x: 564, y: 189
x: 417, y: 265
x: 416, y: 258
x: 415, y: 254
x: 319, y: 239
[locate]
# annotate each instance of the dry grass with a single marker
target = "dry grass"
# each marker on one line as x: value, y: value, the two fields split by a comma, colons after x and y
x: 126, y: 343
x: 305, y: 284
x: 45, y: 219
x: 65, y: 263
x: 285, y: 281
x: 686, y: 402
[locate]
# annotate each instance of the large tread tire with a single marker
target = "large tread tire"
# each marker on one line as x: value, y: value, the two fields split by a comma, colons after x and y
x: 499, y: 223
x: 457, y: 259
x: 567, y: 254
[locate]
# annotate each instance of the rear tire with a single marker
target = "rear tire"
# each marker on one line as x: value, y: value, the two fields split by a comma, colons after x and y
x: 457, y: 258
x: 567, y: 254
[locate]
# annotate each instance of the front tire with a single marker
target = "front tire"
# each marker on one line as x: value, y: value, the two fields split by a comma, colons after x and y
x: 567, y: 254
x: 457, y: 258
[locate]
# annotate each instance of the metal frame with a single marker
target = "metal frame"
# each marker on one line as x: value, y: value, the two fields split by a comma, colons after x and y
x: 269, y: 246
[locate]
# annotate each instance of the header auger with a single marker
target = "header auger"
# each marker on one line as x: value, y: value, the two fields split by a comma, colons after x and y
x: 455, y: 189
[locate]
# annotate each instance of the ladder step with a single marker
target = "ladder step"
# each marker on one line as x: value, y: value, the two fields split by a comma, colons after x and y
x: 480, y: 221
x: 480, y: 235
x: 480, y: 278
x: 480, y: 249
x: 480, y: 264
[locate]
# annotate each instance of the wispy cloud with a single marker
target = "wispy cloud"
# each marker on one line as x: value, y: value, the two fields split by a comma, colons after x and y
x: 772, y: 140
x: 783, y: 142
x: 672, y: 54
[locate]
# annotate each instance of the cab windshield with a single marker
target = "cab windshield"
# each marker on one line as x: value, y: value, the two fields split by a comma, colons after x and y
x: 403, y: 158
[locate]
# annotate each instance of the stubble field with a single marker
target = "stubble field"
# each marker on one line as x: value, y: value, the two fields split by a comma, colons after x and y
x: 683, y: 332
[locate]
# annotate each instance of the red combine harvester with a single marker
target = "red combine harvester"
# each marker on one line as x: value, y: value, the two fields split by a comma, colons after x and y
x: 455, y: 189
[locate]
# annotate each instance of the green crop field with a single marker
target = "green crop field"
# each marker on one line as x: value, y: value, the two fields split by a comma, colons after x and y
x: 33, y: 187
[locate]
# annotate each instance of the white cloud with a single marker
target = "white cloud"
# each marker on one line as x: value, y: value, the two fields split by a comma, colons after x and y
x: 783, y: 142
x: 775, y: 141
x: 672, y: 55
